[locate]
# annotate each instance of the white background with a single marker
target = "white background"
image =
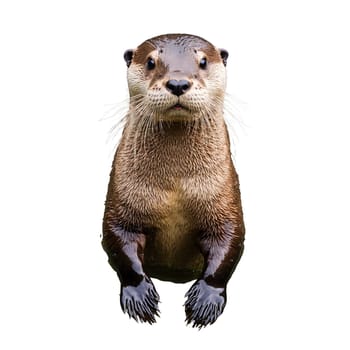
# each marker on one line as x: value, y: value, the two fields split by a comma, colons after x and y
x: 288, y: 70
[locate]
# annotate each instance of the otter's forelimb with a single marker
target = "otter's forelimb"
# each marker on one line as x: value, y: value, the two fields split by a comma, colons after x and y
x: 138, y: 296
x: 206, y: 299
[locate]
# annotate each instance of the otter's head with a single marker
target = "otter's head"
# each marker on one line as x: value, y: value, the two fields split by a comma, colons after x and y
x: 176, y: 77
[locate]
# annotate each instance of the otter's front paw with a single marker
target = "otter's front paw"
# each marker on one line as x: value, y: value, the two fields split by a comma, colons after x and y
x: 204, y: 304
x: 140, y: 302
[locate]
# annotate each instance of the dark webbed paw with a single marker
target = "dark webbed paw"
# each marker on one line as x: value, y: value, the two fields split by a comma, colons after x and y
x: 204, y: 304
x: 140, y: 302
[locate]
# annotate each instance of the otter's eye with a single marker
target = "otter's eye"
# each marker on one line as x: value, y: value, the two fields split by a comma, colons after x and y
x: 203, y: 63
x: 151, y: 64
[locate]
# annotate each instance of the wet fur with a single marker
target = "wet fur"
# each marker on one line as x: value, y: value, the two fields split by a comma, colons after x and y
x: 173, y: 207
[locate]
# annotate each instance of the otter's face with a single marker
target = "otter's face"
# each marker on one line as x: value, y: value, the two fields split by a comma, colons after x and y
x: 176, y: 77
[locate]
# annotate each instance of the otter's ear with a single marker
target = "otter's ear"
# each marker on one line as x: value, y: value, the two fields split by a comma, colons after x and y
x: 224, y: 56
x: 128, y: 55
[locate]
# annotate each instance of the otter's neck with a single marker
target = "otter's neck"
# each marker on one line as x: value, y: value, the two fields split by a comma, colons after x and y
x: 176, y: 149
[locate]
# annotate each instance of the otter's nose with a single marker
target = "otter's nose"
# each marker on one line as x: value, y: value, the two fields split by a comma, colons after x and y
x: 178, y: 87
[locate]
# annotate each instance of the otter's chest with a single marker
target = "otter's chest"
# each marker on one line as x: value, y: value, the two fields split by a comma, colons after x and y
x: 171, y: 216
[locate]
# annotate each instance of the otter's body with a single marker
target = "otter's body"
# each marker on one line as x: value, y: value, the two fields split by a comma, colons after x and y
x: 173, y: 207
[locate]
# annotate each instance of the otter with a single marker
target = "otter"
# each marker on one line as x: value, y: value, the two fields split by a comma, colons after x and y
x: 173, y: 209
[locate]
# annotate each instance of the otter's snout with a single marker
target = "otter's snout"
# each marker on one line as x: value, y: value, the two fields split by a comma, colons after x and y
x: 178, y: 87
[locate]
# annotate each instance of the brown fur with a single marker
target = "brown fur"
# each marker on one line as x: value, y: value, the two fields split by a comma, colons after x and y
x: 173, y: 186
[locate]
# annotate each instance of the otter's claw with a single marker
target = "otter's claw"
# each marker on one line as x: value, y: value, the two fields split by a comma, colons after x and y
x: 140, y: 302
x: 204, y: 304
